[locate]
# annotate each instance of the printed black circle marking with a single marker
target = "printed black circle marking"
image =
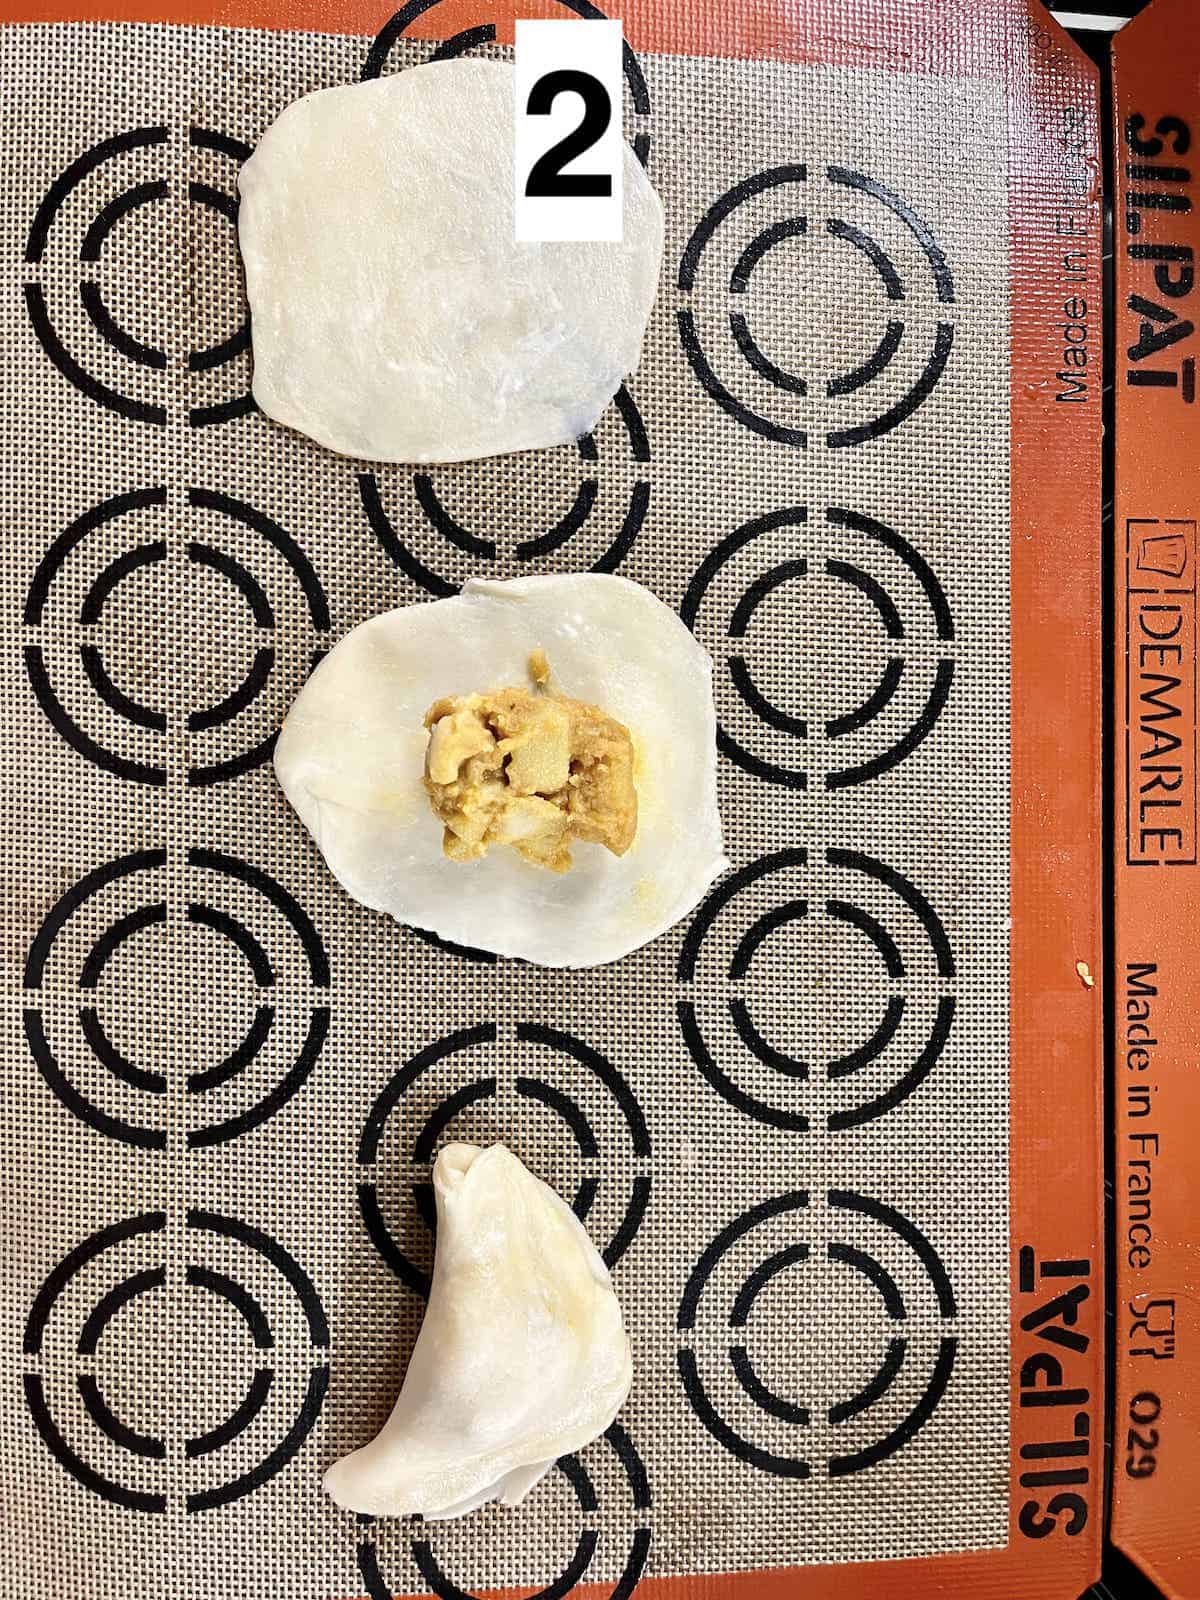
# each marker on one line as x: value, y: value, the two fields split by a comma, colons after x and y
x: 724, y: 397
x: 117, y: 1298
x: 876, y: 427
x: 222, y: 143
x: 141, y: 194
x: 758, y: 591
x: 243, y: 1302
x: 759, y: 361
x: 774, y: 1462
x: 106, y: 1419
x: 741, y: 612
x: 66, y: 542
x: 789, y: 228
x: 917, y: 227
x: 47, y: 336
x: 766, y: 1400
x: 906, y: 552
x: 722, y: 208
x: 109, y: 942
x: 251, y: 686
x: 873, y: 1271
x: 72, y: 734
x: 238, y: 935
x: 915, y: 1058
x: 483, y: 1087
x: 144, y: 555
x: 857, y: 861
x: 114, y: 696
x: 738, y: 668
x: 750, y: 1105
x: 856, y: 917
x: 245, y: 582
x: 136, y: 1442
x: 240, y: 512
x: 689, y: 267
x: 590, y: 1505
x: 239, y: 1058
x: 467, y: 39
x: 867, y: 1052
x: 874, y: 252
x: 939, y: 1382
x: 441, y: 1116
x: 792, y: 1255
x: 88, y: 886
x: 708, y: 363
x: 76, y: 172
x: 149, y: 915
x: 838, y: 1254
x: 767, y: 1053
x: 761, y: 930
x: 876, y: 1388
x: 876, y: 362
x: 443, y: 1586
x: 103, y: 598
x: 109, y: 1056
x: 874, y: 592
x: 757, y: 702
x: 907, y: 1230
x: 873, y: 706
x: 922, y: 727
x: 393, y: 545
x: 238, y: 1421
x: 225, y: 204
x: 719, y: 898
x: 109, y: 329
x: 484, y: 549
x: 98, y: 253
x: 483, y: 34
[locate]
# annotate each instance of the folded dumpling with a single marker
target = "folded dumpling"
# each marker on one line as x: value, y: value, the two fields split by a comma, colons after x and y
x: 522, y: 1356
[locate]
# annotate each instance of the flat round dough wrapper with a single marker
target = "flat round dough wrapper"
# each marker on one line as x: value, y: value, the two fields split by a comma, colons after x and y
x: 351, y: 760
x: 393, y: 315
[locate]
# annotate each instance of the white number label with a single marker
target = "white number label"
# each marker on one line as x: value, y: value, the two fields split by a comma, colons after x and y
x: 569, y: 147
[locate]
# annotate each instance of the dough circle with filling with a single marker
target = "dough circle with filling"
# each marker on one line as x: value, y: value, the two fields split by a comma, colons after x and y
x: 351, y: 758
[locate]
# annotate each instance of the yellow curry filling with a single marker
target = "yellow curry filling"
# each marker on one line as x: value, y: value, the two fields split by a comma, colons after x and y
x: 531, y: 769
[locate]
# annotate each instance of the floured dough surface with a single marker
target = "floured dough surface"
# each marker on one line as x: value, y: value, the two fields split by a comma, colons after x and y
x: 393, y: 315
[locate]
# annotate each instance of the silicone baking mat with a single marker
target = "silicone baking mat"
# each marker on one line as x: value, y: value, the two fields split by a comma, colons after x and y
x: 785, y: 1124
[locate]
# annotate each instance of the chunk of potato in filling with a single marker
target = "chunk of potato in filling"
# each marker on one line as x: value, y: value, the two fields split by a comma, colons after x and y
x: 531, y: 769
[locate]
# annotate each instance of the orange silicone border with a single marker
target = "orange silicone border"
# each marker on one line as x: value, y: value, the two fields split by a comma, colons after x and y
x: 1156, y: 72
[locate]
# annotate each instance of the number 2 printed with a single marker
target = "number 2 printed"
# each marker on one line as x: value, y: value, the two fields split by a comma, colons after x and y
x: 569, y: 150
x: 546, y: 176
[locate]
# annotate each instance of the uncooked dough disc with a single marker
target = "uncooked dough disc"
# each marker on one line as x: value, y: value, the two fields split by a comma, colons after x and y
x: 351, y: 759
x: 393, y: 315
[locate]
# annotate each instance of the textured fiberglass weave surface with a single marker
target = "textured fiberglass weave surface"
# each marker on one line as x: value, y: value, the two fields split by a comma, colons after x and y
x: 785, y: 1123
